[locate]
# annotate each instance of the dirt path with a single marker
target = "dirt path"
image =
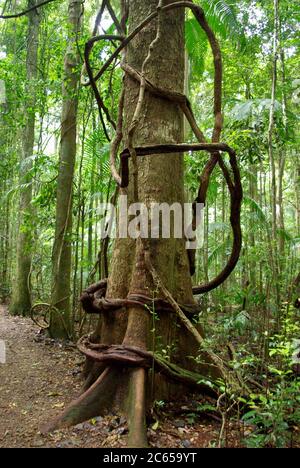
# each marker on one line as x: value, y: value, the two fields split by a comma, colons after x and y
x: 34, y: 383
x: 40, y: 376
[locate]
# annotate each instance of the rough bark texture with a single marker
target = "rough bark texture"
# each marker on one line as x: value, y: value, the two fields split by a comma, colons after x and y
x: 21, y: 298
x: 62, y: 250
x: 160, y: 179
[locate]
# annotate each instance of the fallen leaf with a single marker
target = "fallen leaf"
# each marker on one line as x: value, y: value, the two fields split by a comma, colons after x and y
x: 155, y: 426
x: 58, y: 405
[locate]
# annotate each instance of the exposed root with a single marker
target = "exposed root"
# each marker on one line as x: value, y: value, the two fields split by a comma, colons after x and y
x: 137, y: 437
x: 92, y: 403
x: 133, y: 356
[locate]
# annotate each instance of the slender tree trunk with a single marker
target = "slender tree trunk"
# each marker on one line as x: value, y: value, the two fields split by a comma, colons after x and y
x: 254, y: 195
x: 253, y: 236
x: 91, y: 200
x: 272, y: 153
x: 282, y: 157
x: 80, y: 197
x: 4, y: 243
x: 21, y: 295
x: 297, y: 191
x: 62, y: 250
x: 282, y: 163
x: 272, y: 117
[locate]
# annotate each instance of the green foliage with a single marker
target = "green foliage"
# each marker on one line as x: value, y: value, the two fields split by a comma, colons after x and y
x: 197, y: 46
x: 274, y: 413
x: 256, y: 210
x: 252, y: 107
x: 223, y: 19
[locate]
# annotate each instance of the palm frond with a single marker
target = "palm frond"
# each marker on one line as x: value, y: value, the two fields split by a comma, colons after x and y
x: 285, y: 235
x: 213, y: 227
x: 223, y: 20
x: 256, y: 208
x: 220, y: 249
x: 196, y: 45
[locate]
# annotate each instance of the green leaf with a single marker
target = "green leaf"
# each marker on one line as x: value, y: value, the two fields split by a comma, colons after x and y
x: 155, y: 426
x: 256, y: 208
x: 223, y: 19
x: 217, y: 251
x: 245, y: 109
x: 196, y: 45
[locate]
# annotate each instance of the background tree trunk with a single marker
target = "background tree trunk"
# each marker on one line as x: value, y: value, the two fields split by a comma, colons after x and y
x: 62, y: 250
x: 272, y: 155
x: 21, y: 297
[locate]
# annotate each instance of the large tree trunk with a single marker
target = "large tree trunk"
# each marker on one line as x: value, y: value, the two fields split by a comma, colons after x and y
x: 62, y: 250
x: 21, y: 298
x: 160, y: 180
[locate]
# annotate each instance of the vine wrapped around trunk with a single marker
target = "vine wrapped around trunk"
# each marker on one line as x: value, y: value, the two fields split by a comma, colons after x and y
x: 154, y: 274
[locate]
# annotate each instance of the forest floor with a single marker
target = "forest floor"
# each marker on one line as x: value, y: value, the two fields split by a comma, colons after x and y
x: 42, y: 375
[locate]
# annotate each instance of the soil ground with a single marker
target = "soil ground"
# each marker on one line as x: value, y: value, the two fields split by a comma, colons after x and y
x: 42, y: 375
